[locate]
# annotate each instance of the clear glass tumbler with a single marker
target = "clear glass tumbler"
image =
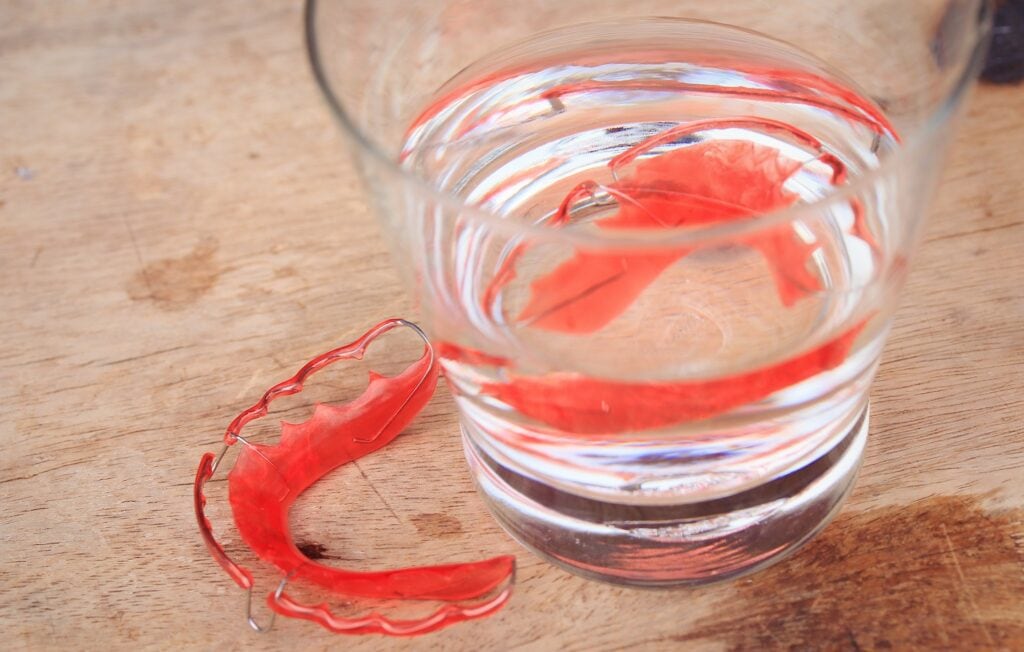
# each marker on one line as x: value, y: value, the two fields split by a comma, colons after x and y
x: 658, y: 245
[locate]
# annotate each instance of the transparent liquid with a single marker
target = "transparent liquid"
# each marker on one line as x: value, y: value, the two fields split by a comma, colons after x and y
x: 515, y: 135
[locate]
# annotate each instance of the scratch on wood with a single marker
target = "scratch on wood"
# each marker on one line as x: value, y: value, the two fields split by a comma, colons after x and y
x: 143, y: 356
x: 39, y: 473
x: 369, y: 482
x: 252, y: 381
x: 968, y: 234
x: 138, y: 253
x: 963, y: 582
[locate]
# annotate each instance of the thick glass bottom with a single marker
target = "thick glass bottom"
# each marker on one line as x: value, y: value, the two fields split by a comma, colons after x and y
x: 696, y: 543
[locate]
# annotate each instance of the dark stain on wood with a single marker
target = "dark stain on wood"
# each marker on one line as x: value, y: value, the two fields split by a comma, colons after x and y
x: 437, y: 525
x: 313, y: 550
x: 175, y: 283
x: 941, y: 573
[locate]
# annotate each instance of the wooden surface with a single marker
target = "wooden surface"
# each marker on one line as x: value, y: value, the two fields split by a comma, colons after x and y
x: 180, y: 227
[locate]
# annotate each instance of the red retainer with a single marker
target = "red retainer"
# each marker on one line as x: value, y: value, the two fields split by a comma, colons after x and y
x: 266, y: 480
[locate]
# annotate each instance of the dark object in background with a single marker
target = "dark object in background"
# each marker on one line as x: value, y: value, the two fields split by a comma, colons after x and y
x: 1005, y: 61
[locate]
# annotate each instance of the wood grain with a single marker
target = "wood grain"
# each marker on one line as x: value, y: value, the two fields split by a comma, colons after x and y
x: 180, y: 226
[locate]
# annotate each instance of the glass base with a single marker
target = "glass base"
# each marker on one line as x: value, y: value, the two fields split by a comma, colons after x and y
x: 695, y: 544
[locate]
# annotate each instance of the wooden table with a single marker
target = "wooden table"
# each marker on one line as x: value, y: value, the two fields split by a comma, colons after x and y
x: 181, y: 227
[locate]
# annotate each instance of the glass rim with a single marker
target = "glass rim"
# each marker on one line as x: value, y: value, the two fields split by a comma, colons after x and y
x: 722, y: 231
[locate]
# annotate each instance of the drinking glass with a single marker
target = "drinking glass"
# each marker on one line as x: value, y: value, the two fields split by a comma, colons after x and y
x: 657, y: 245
